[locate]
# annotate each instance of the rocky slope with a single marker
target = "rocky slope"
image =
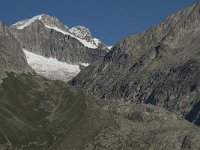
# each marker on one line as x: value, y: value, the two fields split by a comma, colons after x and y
x: 39, y: 114
x: 12, y: 58
x: 159, y: 66
x: 49, y: 37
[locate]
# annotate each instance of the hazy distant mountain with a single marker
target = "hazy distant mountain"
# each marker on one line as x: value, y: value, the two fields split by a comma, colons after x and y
x: 160, y: 66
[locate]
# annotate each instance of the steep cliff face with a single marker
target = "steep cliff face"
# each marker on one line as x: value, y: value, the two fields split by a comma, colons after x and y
x: 12, y: 58
x: 159, y: 66
x: 49, y: 37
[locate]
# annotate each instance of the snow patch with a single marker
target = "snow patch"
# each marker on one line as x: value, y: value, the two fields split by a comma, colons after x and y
x: 51, y: 67
x: 84, y: 42
x: 28, y: 22
x: 85, y: 64
x: 109, y: 47
x: 96, y: 41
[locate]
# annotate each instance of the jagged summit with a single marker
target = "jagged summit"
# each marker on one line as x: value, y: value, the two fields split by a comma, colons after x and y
x: 81, y: 33
x: 84, y: 33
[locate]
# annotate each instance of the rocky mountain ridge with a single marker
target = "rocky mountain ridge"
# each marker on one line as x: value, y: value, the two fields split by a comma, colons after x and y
x: 79, y: 32
x: 159, y: 66
x: 49, y: 37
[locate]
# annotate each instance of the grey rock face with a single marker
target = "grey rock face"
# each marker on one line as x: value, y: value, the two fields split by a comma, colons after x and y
x: 12, y: 58
x: 47, y: 42
x: 159, y: 66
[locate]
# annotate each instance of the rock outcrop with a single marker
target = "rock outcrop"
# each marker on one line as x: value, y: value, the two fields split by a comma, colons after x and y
x: 12, y: 58
x: 160, y: 66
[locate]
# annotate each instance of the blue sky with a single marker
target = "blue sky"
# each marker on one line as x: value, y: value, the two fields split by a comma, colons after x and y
x: 108, y: 20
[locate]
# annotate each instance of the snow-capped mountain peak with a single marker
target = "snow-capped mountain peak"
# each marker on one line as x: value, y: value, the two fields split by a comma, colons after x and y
x: 47, y: 20
x: 24, y: 23
x: 81, y: 33
x: 53, y: 22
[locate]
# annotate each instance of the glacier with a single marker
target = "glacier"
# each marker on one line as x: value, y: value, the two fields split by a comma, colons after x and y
x: 52, y: 68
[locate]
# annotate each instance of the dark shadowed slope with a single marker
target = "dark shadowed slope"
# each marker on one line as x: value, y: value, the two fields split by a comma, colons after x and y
x: 39, y: 114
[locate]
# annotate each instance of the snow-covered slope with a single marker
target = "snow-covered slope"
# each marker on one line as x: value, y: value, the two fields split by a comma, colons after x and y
x: 83, y: 41
x: 79, y: 32
x: 25, y: 23
x: 51, y: 67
